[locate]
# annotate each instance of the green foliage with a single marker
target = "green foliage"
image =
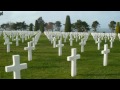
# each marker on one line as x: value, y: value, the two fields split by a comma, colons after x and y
x: 78, y: 25
x: 31, y: 27
x: 85, y: 26
x: 36, y: 26
x: 15, y: 26
x: 112, y: 26
x: 41, y: 24
x: 81, y: 26
x: 68, y: 24
x: 95, y: 25
x: 58, y: 25
x: 42, y: 27
x: 118, y: 27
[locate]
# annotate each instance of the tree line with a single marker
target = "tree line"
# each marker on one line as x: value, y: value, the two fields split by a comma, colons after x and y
x: 79, y: 25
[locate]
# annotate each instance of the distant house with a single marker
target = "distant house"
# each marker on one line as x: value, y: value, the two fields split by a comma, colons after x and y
x: 49, y: 26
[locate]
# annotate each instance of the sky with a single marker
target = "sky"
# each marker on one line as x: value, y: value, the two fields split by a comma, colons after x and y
x: 103, y: 17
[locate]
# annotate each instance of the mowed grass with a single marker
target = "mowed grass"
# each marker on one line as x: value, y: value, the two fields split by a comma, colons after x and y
x: 46, y: 63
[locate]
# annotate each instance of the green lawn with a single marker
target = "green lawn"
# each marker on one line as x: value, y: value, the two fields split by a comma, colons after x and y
x: 46, y: 63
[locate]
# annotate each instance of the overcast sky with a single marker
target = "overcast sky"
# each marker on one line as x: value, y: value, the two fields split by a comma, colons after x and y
x: 103, y: 17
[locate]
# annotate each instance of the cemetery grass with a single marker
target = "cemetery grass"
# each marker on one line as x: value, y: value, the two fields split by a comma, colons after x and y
x: 46, y: 63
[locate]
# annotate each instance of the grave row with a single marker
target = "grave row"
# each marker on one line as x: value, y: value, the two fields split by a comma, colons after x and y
x: 53, y: 37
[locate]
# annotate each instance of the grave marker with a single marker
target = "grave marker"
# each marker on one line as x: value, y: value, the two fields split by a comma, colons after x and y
x: 16, y: 67
x: 73, y: 58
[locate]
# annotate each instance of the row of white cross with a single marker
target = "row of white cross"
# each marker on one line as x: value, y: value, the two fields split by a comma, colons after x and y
x: 17, y: 67
x: 7, y: 35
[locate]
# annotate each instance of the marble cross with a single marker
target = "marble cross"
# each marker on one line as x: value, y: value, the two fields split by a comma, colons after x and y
x: 105, y: 52
x: 73, y: 58
x: 59, y: 45
x: 82, y: 43
x: 99, y: 41
x: 29, y: 48
x: 7, y: 42
x: 16, y: 67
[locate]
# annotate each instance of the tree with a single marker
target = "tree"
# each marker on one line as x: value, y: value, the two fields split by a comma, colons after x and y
x: 36, y: 25
x: 1, y: 13
x: 58, y: 25
x: 31, y: 27
x: 81, y: 26
x: 42, y: 27
x: 24, y: 25
x: 14, y: 26
x: 73, y: 26
x: 78, y: 25
x: 41, y: 24
x: 95, y: 25
x: 85, y: 26
x: 118, y: 27
x: 112, y: 26
x: 68, y: 24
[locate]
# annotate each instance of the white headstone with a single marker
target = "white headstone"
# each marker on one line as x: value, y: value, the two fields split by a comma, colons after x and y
x: 54, y: 42
x: 7, y: 42
x: 73, y: 59
x: 17, y: 40
x: 105, y: 39
x: 105, y: 52
x: 99, y: 41
x: 23, y: 37
x: 16, y: 67
x: 59, y: 45
x: 82, y: 43
x: 29, y: 48
x: 33, y: 42
x: 111, y: 42
x: 76, y: 38
x: 65, y: 37
x: 71, y: 40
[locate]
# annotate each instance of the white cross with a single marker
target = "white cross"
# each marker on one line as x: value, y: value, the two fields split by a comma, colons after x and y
x: 65, y: 37
x: 76, y: 38
x: 7, y: 42
x: 105, y: 39
x: 73, y: 59
x: 16, y: 67
x: 59, y: 45
x: 12, y: 37
x: 29, y: 48
x: 54, y: 42
x: 111, y: 42
x: 51, y: 39
x: 33, y: 42
x: 71, y: 40
x: 79, y: 36
x: 23, y: 37
x: 17, y: 40
x: 82, y: 43
x: 105, y: 52
x: 99, y: 41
